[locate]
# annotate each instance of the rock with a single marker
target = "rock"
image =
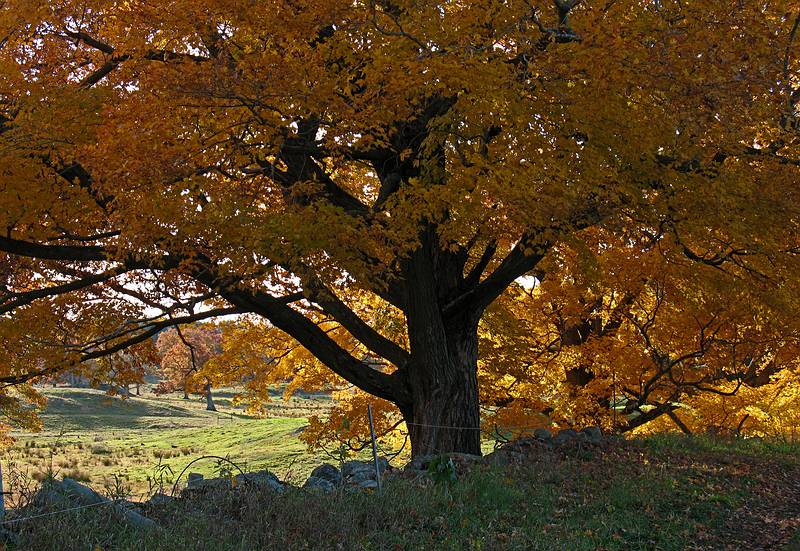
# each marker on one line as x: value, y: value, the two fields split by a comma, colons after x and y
x: 565, y: 436
x: 51, y: 496
x: 460, y: 462
x: 69, y: 493
x: 464, y: 458
x: 360, y: 476
x: 527, y: 446
x: 422, y: 462
x: 317, y: 483
x: 542, y: 434
x: 260, y: 479
x: 365, y: 484
x: 194, y: 480
x: 350, y: 467
x: 419, y: 463
x: 160, y: 500
x: 593, y: 435
x: 209, y: 484
x: 131, y: 505
x: 328, y: 472
x: 503, y: 457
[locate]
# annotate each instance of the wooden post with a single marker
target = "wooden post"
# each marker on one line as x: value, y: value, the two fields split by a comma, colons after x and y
x: 2, y: 497
x: 374, y: 446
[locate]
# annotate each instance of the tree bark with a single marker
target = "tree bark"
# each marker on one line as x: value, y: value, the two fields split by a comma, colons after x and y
x: 209, y: 399
x: 442, y: 412
x: 443, y: 415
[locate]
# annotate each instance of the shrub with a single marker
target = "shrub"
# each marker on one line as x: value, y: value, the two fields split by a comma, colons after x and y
x: 100, y: 449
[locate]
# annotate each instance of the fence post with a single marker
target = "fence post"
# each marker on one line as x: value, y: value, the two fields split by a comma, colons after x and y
x: 2, y: 496
x: 374, y: 446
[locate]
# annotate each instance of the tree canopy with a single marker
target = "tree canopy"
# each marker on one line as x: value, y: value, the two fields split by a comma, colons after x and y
x: 368, y: 177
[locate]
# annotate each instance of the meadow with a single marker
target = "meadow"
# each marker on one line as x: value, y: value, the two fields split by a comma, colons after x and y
x: 103, y: 440
x: 663, y: 492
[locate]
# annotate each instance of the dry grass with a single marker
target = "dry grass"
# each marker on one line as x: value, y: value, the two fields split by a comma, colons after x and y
x: 650, y: 495
x: 106, y: 437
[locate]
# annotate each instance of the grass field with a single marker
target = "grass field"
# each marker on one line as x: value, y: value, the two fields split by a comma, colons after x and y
x: 658, y: 493
x: 664, y: 493
x: 94, y: 438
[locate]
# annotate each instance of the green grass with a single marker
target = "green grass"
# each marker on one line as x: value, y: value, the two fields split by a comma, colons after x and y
x: 98, y: 437
x: 571, y: 504
x: 781, y: 450
x: 665, y: 492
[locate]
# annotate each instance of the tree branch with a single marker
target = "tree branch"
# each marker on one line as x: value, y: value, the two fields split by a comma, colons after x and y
x: 362, y: 331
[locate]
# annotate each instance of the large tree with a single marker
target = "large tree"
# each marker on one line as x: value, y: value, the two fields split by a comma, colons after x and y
x: 183, y: 353
x: 167, y: 162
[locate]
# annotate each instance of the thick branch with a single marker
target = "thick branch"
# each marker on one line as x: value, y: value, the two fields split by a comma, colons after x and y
x: 522, y: 259
x: 357, y: 327
x: 309, y: 335
x: 152, y: 330
x: 15, y: 300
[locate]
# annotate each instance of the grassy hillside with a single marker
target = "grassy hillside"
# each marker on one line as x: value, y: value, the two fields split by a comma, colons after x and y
x: 656, y: 494
x: 92, y: 437
x: 659, y: 493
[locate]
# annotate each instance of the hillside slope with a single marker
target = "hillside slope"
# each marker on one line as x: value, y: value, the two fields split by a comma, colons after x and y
x: 664, y: 493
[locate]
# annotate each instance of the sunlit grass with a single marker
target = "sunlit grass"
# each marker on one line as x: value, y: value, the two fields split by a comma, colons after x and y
x: 96, y: 437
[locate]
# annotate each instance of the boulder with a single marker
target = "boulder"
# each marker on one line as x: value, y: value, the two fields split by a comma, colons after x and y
x: 464, y: 458
x: 159, y: 500
x: 593, y: 435
x: 208, y: 483
x: 328, y: 472
x: 419, y: 463
x: 503, y: 457
x: 317, y: 483
x: 194, y: 480
x: 360, y: 476
x: 460, y: 462
x: 542, y: 434
x: 68, y: 493
x: 351, y: 467
x: 261, y: 479
x: 566, y: 436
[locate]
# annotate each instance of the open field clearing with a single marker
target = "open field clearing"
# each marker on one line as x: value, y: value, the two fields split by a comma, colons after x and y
x: 92, y: 437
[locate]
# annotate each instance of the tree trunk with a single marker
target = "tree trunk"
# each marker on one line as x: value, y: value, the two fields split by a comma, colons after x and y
x: 442, y: 411
x: 209, y: 399
x: 446, y: 417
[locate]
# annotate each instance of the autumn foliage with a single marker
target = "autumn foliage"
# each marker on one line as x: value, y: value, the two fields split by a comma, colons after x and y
x: 183, y: 355
x: 479, y: 213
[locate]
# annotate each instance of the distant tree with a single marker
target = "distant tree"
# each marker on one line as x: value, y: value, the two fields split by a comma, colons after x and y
x: 184, y: 352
